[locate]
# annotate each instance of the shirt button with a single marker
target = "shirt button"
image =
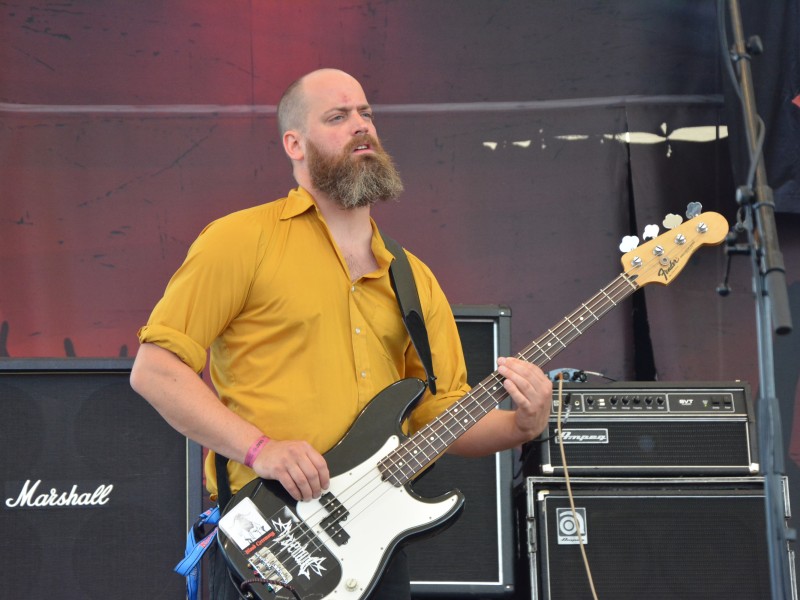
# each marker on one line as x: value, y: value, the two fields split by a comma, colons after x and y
x: 353, y: 288
x: 363, y: 374
x: 358, y: 329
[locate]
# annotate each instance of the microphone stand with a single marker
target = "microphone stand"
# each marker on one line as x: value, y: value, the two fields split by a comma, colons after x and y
x: 772, y: 312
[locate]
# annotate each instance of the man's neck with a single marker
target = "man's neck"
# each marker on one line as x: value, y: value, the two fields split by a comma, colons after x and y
x: 351, y: 228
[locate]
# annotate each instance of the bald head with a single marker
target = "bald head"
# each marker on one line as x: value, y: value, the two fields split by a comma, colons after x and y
x: 294, y: 104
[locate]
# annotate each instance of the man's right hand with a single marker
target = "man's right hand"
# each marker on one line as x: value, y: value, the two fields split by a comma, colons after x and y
x: 296, y: 465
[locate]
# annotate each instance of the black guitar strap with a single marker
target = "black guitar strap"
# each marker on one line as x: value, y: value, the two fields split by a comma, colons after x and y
x: 223, y: 483
x: 405, y: 289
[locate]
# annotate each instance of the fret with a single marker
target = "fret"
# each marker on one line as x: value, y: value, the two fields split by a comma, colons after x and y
x: 596, y: 318
x: 539, y: 348
x: 411, y: 454
x: 609, y: 297
x: 558, y: 339
x: 440, y: 435
x: 463, y: 423
x: 631, y: 282
x: 575, y: 327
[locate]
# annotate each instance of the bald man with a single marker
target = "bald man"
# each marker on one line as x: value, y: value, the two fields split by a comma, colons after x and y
x: 293, y: 298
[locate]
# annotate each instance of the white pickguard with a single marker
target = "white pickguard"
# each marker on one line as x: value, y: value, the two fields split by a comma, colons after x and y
x: 379, y: 514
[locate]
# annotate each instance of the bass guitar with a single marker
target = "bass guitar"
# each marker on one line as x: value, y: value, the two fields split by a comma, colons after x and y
x: 337, y: 546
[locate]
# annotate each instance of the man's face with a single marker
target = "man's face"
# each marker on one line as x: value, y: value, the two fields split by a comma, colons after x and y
x: 343, y: 155
x: 337, y: 111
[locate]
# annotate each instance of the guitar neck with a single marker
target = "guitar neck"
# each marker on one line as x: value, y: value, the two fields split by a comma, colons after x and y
x: 430, y: 442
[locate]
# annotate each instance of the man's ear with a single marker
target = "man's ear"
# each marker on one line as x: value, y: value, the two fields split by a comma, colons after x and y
x: 292, y: 145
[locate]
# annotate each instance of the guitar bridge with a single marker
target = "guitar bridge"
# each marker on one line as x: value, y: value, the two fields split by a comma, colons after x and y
x: 267, y: 567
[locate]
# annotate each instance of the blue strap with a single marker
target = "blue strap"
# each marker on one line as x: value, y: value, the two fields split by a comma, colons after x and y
x: 189, y: 567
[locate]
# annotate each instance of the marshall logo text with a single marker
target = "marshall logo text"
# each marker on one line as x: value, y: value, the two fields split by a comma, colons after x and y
x: 30, y: 497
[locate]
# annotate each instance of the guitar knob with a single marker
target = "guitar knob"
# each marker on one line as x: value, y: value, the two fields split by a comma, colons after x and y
x: 636, y: 262
x: 658, y: 250
x: 351, y: 585
x: 680, y: 239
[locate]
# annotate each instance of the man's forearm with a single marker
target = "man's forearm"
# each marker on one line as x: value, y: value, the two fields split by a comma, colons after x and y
x: 188, y: 404
x: 494, y: 432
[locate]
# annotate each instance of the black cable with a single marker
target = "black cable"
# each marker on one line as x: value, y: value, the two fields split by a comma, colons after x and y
x: 248, y: 583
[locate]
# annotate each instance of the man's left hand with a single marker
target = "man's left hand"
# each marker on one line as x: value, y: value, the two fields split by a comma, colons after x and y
x: 532, y: 393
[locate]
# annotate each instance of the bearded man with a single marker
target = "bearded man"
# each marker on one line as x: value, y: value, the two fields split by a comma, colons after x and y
x: 294, y: 300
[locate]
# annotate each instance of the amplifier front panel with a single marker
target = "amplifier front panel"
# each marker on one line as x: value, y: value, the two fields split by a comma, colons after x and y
x: 650, y: 428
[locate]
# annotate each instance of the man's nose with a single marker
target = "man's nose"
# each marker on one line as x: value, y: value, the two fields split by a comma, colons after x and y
x: 362, y: 125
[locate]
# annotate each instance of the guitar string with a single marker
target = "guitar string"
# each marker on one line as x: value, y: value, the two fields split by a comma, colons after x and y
x: 608, y: 297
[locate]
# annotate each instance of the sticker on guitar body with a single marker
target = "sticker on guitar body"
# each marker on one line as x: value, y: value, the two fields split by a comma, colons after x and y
x: 250, y: 531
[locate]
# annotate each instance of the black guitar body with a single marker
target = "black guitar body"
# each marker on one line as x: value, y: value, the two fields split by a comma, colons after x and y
x: 338, y: 545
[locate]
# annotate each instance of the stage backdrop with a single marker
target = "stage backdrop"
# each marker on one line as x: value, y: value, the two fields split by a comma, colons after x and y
x: 532, y: 136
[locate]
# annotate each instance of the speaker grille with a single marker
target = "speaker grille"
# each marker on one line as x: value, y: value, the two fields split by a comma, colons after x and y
x: 86, y: 427
x: 681, y: 540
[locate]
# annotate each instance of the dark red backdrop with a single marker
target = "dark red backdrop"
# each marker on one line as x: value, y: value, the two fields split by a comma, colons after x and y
x: 125, y: 127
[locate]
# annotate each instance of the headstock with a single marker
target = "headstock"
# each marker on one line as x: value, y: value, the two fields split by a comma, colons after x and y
x: 662, y: 258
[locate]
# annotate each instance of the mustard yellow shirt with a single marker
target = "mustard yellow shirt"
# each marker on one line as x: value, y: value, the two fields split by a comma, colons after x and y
x: 296, y: 347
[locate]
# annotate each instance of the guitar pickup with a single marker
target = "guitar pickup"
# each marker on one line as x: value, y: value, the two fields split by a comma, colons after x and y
x: 332, y: 523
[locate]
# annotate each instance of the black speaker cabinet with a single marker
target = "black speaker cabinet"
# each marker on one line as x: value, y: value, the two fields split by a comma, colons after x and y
x: 96, y: 491
x: 689, y: 538
x: 474, y: 557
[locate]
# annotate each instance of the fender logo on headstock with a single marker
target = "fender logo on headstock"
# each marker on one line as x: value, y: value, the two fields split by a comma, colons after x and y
x: 664, y: 272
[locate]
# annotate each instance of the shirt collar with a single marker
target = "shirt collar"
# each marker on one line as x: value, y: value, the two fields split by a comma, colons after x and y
x: 297, y: 202
x: 379, y: 249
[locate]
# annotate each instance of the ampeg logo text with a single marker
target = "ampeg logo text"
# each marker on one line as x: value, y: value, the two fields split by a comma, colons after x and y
x: 583, y: 436
x: 30, y: 496
x: 568, y: 526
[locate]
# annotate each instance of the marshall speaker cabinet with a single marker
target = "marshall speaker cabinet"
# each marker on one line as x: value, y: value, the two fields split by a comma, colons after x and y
x: 96, y: 487
x: 475, y: 556
x: 649, y: 428
x: 661, y: 539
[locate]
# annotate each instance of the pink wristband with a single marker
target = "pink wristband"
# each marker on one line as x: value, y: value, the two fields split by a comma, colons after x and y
x: 252, y: 453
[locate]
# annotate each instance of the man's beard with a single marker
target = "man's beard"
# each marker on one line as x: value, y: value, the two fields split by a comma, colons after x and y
x: 355, y: 180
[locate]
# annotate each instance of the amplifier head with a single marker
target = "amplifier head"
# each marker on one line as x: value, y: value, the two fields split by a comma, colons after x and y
x: 651, y: 428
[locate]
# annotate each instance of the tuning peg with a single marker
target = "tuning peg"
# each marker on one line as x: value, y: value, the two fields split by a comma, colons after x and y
x: 650, y: 232
x: 671, y: 221
x: 629, y: 242
x: 693, y: 209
